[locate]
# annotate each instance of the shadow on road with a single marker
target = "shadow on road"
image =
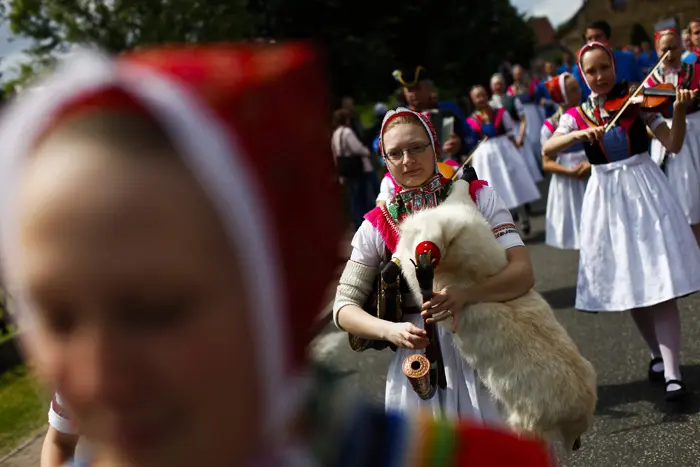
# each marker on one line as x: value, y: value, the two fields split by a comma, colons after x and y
x: 560, y: 299
x: 615, y: 400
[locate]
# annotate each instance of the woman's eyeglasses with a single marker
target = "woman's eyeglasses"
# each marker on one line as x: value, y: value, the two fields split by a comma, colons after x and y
x: 413, y: 151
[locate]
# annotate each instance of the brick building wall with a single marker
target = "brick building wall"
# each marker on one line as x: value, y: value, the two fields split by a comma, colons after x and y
x: 622, y: 14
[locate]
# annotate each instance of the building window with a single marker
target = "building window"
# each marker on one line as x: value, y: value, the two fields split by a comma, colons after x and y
x: 618, y: 5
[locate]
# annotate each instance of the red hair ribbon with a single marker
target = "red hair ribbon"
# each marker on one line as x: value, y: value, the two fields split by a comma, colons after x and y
x: 663, y: 32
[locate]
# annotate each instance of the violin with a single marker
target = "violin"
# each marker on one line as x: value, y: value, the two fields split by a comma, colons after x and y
x: 621, y: 100
x: 650, y: 98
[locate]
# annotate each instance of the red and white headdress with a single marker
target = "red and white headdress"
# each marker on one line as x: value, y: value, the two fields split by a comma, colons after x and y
x: 592, y: 46
x: 424, y: 120
x: 556, y: 87
x: 664, y: 32
x: 218, y: 104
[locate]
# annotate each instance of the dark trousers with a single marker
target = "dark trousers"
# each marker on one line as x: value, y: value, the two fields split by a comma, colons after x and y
x: 363, y: 192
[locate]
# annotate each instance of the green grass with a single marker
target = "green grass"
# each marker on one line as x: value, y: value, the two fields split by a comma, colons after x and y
x: 23, y: 408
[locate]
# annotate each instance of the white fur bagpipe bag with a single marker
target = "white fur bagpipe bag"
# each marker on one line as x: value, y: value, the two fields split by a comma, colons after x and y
x: 520, y: 351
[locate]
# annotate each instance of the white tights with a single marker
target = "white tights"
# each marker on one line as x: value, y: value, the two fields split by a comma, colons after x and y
x: 660, y: 326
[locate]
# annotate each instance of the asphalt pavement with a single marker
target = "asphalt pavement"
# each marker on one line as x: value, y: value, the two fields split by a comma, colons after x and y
x: 634, y: 426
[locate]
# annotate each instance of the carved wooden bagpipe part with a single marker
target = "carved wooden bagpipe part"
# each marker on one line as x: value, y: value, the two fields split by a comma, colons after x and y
x: 384, y: 302
x: 426, y: 372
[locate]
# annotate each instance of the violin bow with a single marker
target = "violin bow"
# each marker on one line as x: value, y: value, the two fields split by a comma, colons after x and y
x: 469, y: 158
x: 612, y: 122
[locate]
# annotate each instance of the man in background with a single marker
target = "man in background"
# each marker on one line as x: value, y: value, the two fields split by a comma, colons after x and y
x: 421, y: 96
x: 567, y: 62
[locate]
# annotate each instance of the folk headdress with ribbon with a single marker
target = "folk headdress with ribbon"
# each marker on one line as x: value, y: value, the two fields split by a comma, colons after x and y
x: 592, y: 46
x: 664, y: 32
x: 432, y: 192
x: 217, y: 104
x: 556, y: 87
x: 684, y: 75
x: 594, y: 106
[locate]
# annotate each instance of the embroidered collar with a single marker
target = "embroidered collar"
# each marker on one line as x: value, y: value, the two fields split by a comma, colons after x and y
x: 594, y: 111
x: 557, y: 116
x: 484, y: 116
x: 410, y: 200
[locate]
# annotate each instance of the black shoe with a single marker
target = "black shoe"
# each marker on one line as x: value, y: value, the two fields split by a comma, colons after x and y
x: 656, y: 376
x: 676, y: 395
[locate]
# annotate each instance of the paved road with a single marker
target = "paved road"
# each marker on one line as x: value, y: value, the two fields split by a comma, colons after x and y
x: 634, y: 427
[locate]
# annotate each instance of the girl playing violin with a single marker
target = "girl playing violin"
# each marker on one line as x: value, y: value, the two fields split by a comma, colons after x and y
x: 637, y: 251
x: 682, y: 168
x: 570, y: 170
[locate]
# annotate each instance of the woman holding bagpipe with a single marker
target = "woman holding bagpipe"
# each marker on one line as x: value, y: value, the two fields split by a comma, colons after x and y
x: 637, y: 251
x: 681, y: 168
x: 411, y: 150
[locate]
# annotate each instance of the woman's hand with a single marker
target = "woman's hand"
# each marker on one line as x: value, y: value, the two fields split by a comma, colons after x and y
x: 445, y: 304
x: 519, y: 141
x: 406, y: 336
x: 583, y: 170
x: 683, y: 98
x: 590, y: 135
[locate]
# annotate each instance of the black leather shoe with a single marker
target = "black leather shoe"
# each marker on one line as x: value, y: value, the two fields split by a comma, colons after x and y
x: 655, y: 376
x: 676, y: 395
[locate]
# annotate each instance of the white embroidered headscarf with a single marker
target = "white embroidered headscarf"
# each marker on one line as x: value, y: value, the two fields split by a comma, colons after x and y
x: 424, y: 120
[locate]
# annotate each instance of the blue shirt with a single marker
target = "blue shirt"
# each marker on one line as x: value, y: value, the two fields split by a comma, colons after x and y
x: 691, y: 58
x: 541, y: 92
x: 565, y: 69
x: 647, y: 60
x: 627, y: 70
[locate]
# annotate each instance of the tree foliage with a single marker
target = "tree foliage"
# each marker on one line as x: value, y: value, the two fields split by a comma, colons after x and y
x: 459, y: 42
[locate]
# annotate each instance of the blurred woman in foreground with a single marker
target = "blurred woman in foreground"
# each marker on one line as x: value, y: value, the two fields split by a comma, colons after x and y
x: 164, y: 279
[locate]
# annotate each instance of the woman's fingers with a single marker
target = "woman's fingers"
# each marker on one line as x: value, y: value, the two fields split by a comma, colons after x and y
x: 442, y: 316
x: 444, y: 306
x: 415, y: 330
x: 438, y: 298
x: 411, y: 341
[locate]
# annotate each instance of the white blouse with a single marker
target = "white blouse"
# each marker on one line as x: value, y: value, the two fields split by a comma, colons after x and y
x: 387, y: 190
x: 368, y: 247
x: 58, y: 419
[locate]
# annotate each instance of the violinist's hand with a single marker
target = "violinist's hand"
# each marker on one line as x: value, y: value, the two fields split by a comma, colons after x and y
x: 406, y: 336
x: 590, y: 135
x: 684, y: 97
